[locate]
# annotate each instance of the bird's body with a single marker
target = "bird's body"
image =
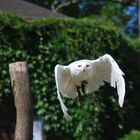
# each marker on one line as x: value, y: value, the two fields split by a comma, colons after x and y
x: 80, y: 72
x: 85, y: 76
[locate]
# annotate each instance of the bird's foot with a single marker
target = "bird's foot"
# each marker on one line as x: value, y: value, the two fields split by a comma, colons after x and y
x: 83, y: 84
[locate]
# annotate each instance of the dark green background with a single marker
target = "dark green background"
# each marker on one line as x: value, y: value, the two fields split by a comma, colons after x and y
x: 47, y: 42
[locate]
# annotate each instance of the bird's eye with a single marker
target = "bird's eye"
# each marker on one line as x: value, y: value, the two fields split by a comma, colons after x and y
x: 79, y: 65
x: 87, y: 65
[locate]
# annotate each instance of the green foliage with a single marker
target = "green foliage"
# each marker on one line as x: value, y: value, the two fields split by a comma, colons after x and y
x: 47, y: 42
x: 117, y: 15
x: 133, y: 135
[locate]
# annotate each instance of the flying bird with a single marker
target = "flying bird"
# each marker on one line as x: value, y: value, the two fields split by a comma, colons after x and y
x: 85, y: 76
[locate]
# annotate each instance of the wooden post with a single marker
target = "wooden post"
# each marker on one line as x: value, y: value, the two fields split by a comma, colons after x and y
x: 23, y: 100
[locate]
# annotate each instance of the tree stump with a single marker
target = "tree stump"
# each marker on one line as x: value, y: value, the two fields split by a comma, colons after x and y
x: 23, y: 100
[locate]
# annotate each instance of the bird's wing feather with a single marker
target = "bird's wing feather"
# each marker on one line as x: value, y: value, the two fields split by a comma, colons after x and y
x: 64, y: 81
x: 106, y: 69
x: 64, y: 85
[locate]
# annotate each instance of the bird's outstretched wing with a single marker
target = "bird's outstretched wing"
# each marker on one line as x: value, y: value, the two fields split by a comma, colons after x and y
x: 64, y: 85
x: 106, y: 69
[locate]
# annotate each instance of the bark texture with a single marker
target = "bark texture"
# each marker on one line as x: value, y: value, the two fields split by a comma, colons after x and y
x: 23, y: 100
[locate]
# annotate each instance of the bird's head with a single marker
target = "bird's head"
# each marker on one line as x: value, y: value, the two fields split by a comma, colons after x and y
x: 81, y: 67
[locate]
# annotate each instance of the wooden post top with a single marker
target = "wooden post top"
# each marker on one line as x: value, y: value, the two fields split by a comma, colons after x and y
x: 18, y: 66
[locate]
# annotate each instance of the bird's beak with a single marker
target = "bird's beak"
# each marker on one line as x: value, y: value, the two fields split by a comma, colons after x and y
x: 84, y: 70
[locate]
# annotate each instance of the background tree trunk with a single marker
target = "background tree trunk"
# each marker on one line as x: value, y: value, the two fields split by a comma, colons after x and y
x: 139, y: 17
x: 23, y: 100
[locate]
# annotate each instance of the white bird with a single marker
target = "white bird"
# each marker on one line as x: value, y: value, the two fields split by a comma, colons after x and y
x: 85, y: 76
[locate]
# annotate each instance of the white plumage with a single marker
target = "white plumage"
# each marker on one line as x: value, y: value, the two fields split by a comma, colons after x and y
x: 85, y: 76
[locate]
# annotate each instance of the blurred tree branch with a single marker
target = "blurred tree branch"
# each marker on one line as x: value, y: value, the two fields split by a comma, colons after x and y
x: 56, y: 6
x: 127, y: 2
